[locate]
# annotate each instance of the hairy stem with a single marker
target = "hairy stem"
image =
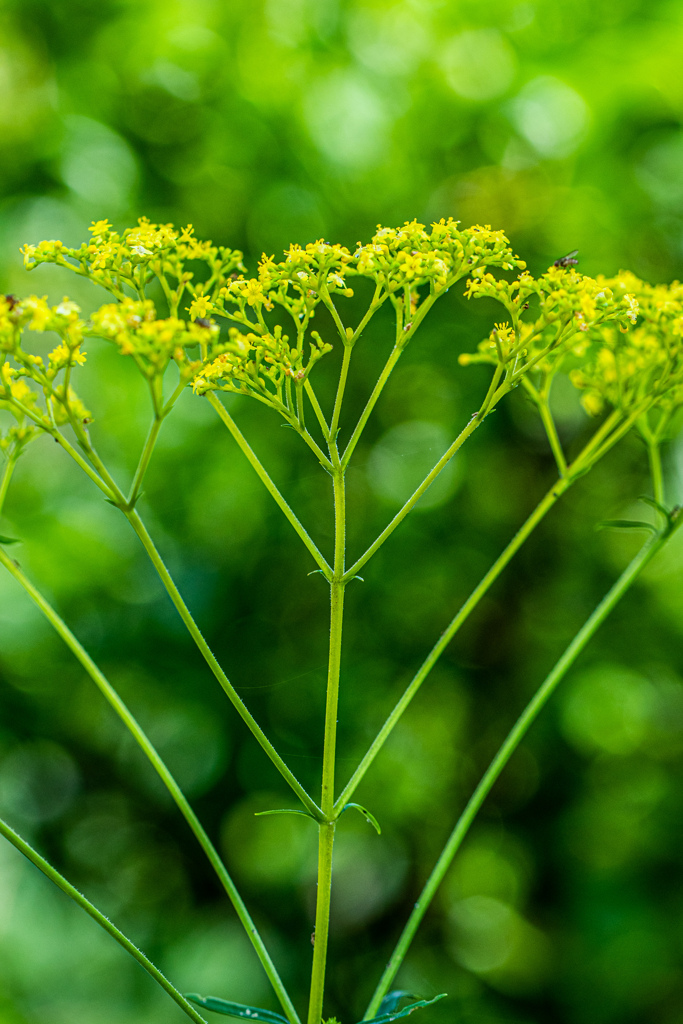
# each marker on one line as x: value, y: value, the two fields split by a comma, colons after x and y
x: 150, y: 752
x: 327, y: 826
x: 510, y: 744
x: 334, y: 425
x: 16, y: 840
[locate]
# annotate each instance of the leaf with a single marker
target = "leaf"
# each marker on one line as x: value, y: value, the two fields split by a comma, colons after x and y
x: 284, y: 810
x: 370, y: 818
x: 236, y: 1009
x: 385, y: 1018
x: 9, y: 540
x: 391, y: 1001
x: 625, y: 524
x: 654, y: 504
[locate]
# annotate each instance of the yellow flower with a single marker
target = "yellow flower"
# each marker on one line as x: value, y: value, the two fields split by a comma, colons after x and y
x: 99, y: 228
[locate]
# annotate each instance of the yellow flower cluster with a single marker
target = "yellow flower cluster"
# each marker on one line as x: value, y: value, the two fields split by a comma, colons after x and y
x: 263, y: 365
x: 643, y: 368
x: 561, y: 313
x: 152, y: 343
x: 139, y: 255
x: 411, y: 256
x: 297, y: 284
x: 549, y: 316
x: 59, y: 400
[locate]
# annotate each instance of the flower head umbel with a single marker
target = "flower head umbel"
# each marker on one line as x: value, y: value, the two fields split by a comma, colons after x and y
x: 51, y: 400
x: 642, y: 370
x: 139, y: 255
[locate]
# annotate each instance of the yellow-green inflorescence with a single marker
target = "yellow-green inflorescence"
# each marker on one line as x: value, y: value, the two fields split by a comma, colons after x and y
x: 619, y: 338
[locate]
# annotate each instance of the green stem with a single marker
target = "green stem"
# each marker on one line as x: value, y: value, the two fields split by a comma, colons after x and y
x: 315, y: 405
x: 541, y: 510
x: 327, y: 826
x: 144, y: 460
x: 147, y: 747
x: 415, y: 496
x: 6, y: 477
x: 551, y: 431
x: 104, y: 922
x: 268, y: 483
x: 192, y: 628
x: 655, y: 457
x: 334, y: 425
x: 394, y: 357
x: 514, y: 737
x: 104, y: 486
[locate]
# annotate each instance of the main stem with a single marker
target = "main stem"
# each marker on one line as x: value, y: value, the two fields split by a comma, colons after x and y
x: 510, y: 744
x: 327, y: 826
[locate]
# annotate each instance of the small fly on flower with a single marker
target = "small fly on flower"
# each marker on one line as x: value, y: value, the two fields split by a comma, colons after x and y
x: 569, y: 260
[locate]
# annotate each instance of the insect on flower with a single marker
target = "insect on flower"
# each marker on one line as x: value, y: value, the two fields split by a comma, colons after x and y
x: 569, y: 260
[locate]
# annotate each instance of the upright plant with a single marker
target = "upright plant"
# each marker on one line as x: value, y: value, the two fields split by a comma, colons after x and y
x: 620, y: 340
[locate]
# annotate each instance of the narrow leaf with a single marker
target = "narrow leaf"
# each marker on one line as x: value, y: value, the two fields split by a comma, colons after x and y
x: 385, y: 1018
x: 370, y: 818
x: 625, y: 524
x: 9, y: 540
x: 392, y: 1000
x: 284, y: 810
x: 236, y: 1009
x: 654, y: 504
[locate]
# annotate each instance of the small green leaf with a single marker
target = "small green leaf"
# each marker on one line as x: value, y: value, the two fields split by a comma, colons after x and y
x: 284, y: 810
x: 385, y: 1018
x: 370, y: 818
x: 654, y: 504
x: 236, y: 1009
x: 392, y: 1000
x: 9, y: 540
x: 625, y: 524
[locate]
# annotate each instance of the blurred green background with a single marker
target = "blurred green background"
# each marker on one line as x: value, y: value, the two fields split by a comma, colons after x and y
x: 263, y: 124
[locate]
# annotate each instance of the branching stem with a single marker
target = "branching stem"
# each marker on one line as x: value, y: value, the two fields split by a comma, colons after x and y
x: 20, y: 844
x: 510, y: 744
x: 157, y: 762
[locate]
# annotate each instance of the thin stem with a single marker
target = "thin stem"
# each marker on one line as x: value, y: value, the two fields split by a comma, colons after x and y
x: 144, y: 460
x: 149, y: 750
x: 326, y: 828
x: 394, y: 357
x: 315, y: 405
x: 553, y: 438
x: 16, y: 840
x: 576, y: 469
x: 514, y: 737
x: 192, y: 628
x: 541, y: 510
x: 327, y: 300
x: 655, y: 457
x: 7, y: 476
x: 268, y: 484
x: 415, y: 496
x: 334, y: 425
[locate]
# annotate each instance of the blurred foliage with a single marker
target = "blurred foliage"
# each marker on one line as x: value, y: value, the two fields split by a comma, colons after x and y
x: 263, y: 124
